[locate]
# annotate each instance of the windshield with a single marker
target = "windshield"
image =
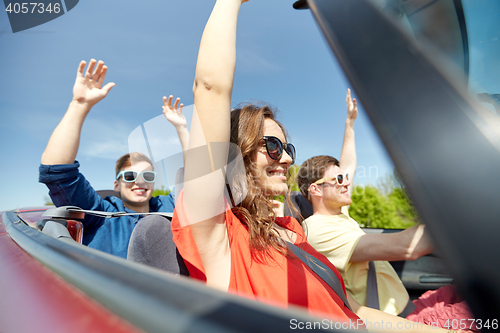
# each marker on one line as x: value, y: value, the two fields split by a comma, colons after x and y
x: 483, y: 29
x: 466, y: 33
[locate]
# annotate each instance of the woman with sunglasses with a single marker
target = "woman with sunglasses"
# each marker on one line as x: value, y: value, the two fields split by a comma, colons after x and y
x: 242, y: 248
x: 229, y: 236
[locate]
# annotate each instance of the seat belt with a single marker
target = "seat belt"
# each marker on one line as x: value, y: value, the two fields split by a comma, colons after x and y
x: 371, y: 287
x: 322, y: 270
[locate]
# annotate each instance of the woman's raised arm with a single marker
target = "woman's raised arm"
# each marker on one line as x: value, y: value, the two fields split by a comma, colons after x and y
x: 204, y: 181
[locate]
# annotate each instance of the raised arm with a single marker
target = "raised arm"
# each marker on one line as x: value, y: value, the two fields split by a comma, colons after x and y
x: 204, y: 188
x: 409, y: 244
x: 348, y: 161
x: 87, y: 91
x: 174, y: 115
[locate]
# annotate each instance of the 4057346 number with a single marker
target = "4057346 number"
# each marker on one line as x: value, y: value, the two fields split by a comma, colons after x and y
x: 33, y: 7
x: 470, y: 324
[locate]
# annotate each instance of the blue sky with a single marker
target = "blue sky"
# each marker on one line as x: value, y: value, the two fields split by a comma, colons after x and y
x: 150, y: 48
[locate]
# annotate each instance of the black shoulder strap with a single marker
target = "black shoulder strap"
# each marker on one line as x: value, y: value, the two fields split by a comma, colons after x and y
x: 322, y: 270
x: 372, y: 288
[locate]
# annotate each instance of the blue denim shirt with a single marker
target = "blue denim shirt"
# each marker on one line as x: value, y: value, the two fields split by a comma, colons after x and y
x: 68, y: 187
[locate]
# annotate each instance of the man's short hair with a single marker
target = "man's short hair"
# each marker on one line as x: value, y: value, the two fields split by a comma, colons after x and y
x: 312, y: 170
x: 128, y: 159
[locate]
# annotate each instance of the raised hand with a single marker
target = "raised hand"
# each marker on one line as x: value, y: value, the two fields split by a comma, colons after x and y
x: 352, y: 106
x: 348, y: 158
x: 88, y: 88
x: 173, y: 113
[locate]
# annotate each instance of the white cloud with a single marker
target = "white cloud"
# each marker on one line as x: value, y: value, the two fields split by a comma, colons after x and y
x: 104, y: 140
x: 109, y: 149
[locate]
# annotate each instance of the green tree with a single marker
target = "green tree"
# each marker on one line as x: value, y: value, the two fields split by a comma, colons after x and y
x: 399, y: 197
x: 291, y: 177
x: 161, y: 191
x: 404, y: 206
x: 371, y: 209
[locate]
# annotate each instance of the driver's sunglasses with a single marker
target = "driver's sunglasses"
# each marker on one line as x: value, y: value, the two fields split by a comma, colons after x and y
x: 275, y: 148
x: 131, y: 176
x: 339, y: 178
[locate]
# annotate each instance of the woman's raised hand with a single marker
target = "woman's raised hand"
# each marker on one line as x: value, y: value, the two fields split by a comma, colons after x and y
x: 88, y: 88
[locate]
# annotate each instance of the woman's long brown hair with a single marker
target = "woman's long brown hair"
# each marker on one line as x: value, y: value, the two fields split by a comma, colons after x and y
x: 256, y: 210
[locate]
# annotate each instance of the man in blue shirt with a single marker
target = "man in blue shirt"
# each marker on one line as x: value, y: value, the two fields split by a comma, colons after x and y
x: 134, y: 172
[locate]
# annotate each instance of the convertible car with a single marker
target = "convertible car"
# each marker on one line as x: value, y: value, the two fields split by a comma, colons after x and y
x: 410, y: 63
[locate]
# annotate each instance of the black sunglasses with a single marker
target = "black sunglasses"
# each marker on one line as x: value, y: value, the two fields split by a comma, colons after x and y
x: 275, y: 148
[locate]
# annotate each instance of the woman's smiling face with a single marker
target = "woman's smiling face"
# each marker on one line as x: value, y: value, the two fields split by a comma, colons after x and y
x: 270, y: 174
